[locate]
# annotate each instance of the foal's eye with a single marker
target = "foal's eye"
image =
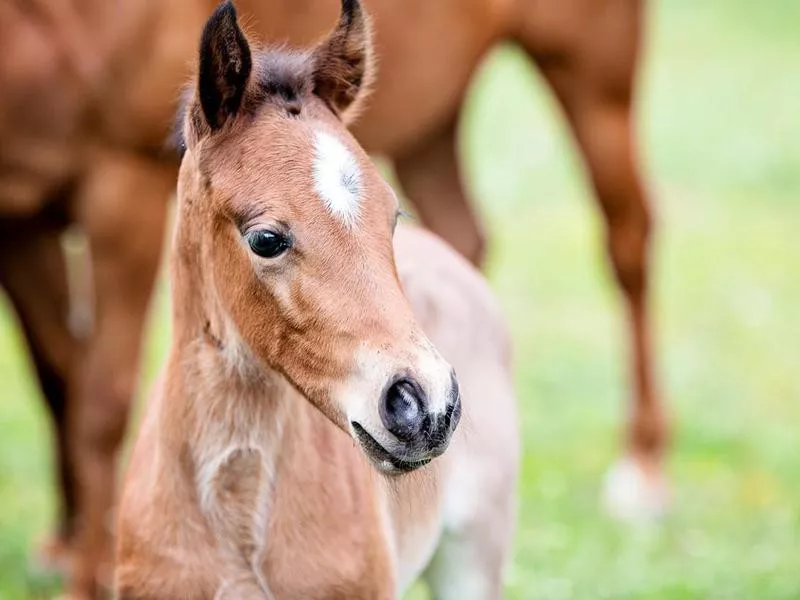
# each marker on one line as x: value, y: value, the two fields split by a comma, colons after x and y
x: 268, y: 244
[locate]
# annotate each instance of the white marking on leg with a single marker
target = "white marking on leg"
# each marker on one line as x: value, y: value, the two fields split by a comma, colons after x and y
x: 633, y: 494
x: 337, y: 178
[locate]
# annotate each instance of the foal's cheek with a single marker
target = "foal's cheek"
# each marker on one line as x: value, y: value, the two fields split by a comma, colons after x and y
x: 256, y: 319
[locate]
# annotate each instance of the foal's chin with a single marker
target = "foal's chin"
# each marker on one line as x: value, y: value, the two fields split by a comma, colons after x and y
x: 397, y: 461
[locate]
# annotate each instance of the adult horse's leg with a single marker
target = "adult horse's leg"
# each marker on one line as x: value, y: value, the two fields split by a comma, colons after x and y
x: 431, y: 178
x: 589, y: 56
x: 122, y: 206
x: 33, y: 274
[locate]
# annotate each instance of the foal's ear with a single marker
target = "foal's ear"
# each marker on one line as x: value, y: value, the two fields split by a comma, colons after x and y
x: 225, y: 65
x: 343, y: 62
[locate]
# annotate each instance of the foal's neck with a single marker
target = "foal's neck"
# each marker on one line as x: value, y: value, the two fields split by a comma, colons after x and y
x: 223, y: 399
x: 225, y: 403
x: 229, y: 391
x: 224, y: 388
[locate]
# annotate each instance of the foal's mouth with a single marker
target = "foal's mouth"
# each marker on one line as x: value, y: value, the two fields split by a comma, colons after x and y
x: 385, y: 460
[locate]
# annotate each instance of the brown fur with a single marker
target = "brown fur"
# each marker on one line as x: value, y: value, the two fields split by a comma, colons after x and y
x: 83, y: 118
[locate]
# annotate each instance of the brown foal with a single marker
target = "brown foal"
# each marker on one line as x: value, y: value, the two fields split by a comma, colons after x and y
x: 290, y: 450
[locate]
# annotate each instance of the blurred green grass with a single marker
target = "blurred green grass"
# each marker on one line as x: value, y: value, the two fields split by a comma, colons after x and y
x: 720, y: 128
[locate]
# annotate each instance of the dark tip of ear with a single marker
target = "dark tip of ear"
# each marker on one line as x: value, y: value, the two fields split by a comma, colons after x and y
x: 350, y: 11
x: 223, y: 17
x: 225, y: 65
x: 343, y: 61
x: 227, y: 8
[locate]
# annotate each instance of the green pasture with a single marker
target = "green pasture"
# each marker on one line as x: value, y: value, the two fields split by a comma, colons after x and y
x: 719, y: 122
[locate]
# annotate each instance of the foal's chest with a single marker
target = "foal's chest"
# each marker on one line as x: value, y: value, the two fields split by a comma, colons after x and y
x: 308, y: 529
x: 330, y: 569
x: 326, y: 534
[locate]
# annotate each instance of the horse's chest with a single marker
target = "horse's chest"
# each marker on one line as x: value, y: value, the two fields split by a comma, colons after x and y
x: 299, y: 537
x: 327, y: 535
x: 233, y: 494
x: 316, y: 566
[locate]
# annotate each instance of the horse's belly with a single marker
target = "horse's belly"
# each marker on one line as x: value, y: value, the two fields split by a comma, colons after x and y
x: 32, y: 172
x: 427, y: 52
x: 41, y: 110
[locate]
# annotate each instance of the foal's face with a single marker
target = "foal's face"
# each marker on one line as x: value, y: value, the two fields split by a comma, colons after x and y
x: 298, y: 228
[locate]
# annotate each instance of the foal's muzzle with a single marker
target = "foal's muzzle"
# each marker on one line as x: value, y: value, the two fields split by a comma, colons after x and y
x: 419, y: 435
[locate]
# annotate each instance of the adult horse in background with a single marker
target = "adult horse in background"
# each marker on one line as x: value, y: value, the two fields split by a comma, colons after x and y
x: 61, y: 166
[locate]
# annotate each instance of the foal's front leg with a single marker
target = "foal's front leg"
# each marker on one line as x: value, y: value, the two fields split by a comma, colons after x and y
x: 231, y: 589
x: 122, y: 206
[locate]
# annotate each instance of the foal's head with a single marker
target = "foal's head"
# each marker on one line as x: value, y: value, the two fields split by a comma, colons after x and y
x: 284, y: 240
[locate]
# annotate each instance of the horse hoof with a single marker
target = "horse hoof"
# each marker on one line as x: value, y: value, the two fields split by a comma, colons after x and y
x: 635, y: 491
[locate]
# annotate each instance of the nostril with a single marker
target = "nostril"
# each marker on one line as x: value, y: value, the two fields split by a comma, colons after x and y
x: 403, y: 409
x: 453, y: 414
x: 455, y: 391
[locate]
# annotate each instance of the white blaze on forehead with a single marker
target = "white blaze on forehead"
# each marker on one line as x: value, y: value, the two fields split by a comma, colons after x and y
x: 337, y: 178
